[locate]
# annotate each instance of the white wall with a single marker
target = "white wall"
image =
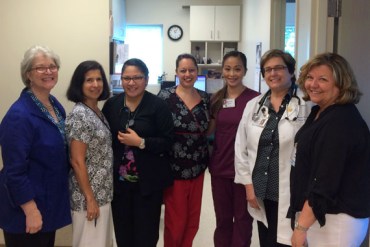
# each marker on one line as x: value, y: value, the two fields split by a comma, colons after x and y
x: 167, y: 13
x: 313, y: 29
x: 256, y: 16
x: 76, y: 30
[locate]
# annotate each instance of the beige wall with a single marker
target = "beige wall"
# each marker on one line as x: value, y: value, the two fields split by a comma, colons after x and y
x: 76, y: 30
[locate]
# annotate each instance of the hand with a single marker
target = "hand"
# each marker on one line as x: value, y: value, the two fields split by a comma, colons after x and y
x: 92, y: 210
x: 299, y: 238
x: 251, y: 196
x: 130, y: 138
x: 33, y: 221
x: 33, y: 217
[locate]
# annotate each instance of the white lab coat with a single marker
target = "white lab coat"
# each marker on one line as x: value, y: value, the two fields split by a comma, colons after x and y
x: 246, y: 145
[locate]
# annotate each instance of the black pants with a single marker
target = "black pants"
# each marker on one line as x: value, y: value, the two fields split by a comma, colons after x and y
x: 268, y: 236
x: 136, y: 217
x: 40, y: 239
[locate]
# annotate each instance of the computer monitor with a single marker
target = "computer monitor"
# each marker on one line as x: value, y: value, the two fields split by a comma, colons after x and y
x: 200, y: 83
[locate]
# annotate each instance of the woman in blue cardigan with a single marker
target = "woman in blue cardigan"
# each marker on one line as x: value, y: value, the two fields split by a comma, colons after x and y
x: 34, y: 179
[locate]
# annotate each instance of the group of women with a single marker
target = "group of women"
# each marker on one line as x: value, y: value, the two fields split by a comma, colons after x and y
x: 292, y: 158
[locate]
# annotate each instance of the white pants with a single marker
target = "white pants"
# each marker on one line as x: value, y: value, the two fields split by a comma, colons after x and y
x: 340, y: 230
x: 86, y: 233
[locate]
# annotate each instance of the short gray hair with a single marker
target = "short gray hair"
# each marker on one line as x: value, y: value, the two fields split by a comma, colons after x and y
x: 29, y: 56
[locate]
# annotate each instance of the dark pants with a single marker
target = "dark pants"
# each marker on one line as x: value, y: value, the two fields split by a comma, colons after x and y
x: 233, y: 222
x: 40, y: 239
x: 136, y: 217
x: 268, y: 236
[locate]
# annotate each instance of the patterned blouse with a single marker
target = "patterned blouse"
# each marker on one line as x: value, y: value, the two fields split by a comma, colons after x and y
x: 84, y: 125
x: 190, y: 150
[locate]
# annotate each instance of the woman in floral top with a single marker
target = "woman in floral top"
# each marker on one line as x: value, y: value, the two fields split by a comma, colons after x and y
x: 189, y: 107
x: 90, y: 146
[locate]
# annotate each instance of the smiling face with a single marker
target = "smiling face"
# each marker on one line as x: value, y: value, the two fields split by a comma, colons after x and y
x: 320, y: 86
x: 134, y: 81
x: 92, y: 86
x: 233, y: 71
x: 277, y: 75
x: 187, y: 72
x: 45, y: 81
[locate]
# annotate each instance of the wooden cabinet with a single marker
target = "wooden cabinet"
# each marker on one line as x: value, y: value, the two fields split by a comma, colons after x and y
x: 215, y: 23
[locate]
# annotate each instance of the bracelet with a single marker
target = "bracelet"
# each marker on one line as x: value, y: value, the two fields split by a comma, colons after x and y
x: 300, y: 228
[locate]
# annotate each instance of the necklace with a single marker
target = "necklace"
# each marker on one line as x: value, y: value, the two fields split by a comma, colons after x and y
x: 49, y: 107
x: 96, y: 111
x: 130, y: 115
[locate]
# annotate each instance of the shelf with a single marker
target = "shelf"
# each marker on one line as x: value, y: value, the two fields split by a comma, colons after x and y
x: 211, y: 65
x: 213, y: 50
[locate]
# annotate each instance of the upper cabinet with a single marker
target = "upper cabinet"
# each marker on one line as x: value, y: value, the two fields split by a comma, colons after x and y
x: 218, y: 23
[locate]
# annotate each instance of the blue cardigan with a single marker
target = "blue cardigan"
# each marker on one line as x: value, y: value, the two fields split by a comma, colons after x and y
x: 36, y: 167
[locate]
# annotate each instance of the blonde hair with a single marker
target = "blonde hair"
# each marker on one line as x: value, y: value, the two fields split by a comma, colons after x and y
x: 342, y: 73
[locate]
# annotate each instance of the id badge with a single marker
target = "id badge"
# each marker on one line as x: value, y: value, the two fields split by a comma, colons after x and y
x: 228, y: 103
x: 260, y: 122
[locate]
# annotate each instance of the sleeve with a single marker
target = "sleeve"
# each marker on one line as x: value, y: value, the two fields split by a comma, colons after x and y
x: 330, y: 156
x: 163, y: 140
x: 78, y: 126
x: 243, y: 173
x: 16, y: 136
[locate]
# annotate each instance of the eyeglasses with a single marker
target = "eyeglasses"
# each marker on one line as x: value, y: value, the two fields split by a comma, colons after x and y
x: 277, y: 68
x: 127, y: 79
x: 41, y: 70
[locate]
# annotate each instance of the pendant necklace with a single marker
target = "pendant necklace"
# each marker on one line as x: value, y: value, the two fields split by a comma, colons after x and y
x: 131, y: 120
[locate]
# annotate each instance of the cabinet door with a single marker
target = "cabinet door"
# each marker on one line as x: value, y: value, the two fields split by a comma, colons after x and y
x: 202, y: 23
x: 227, y: 23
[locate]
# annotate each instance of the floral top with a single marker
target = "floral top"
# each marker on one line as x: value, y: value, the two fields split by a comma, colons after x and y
x: 190, y: 151
x: 128, y: 168
x: 84, y: 125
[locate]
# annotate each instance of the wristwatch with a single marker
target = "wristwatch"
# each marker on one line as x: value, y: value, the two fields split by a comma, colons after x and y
x: 299, y: 227
x: 142, y: 143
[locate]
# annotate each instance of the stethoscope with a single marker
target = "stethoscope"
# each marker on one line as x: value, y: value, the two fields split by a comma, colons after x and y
x: 292, y: 108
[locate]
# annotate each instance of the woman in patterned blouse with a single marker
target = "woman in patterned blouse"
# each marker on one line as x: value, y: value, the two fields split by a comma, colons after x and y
x: 90, y: 147
x: 189, y: 107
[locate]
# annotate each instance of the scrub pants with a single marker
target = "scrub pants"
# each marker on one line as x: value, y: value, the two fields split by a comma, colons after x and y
x: 136, y: 217
x: 91, y: 233
x: 233, y: 222
x: 183, y: 203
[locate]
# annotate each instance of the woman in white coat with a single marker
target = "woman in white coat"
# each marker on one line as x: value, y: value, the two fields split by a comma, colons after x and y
x: 264, y: 145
